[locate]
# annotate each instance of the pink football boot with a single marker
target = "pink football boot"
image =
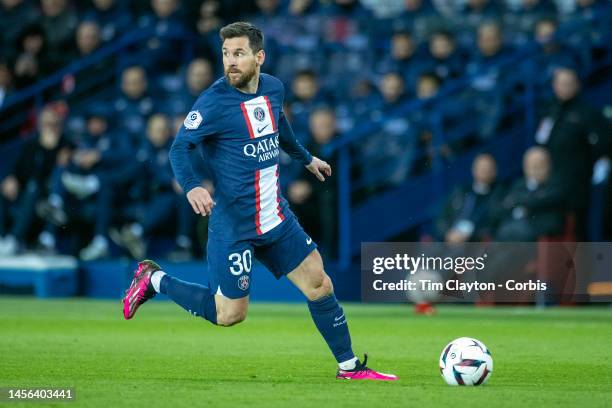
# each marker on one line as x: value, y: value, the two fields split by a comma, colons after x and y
x: 361, y: 372
x: 141, y: 289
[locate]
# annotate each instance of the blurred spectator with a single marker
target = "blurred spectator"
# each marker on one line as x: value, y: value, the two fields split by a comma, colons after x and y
x: 31, y: 60
x: 59, y: 24
x: 489, y: 87
x: 207, y: 28
x: 363, y: 97
x: 474, y: 13
x: 163, y: 50
x: 554, y: 54
x: 576, y: 135
x: 346, y: 22
x: 6, y: 83
x: 491, y: 50
x: 315, y: 202
x: 445, y: 60
x: 29, y: 181
x: 419, y: 16
x: 134, y: 104
x: 392, y: 89
x: 581, y: 8
x: 84, y: 194
x: 110, y: 16
x: 284, y: 26
x: 162, y: 199
x: 88, y: 38
x: 93, y: 79
x: 306, y: 94
x: 427, y: 87
x: 270, y: 17
x: 533, y: 206
x: 15, y: 15
x: 384, y: 10
x: 299, y: 46
x: 403, y: 58
x: 468, y: 212
x: 348, y: 39
x: 301, y: 7
x: 198, y: 77
x: 522, y: 16
x: 389, y: 152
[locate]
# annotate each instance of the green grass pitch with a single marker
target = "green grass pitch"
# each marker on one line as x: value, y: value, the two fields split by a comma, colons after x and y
x: 165, y: 357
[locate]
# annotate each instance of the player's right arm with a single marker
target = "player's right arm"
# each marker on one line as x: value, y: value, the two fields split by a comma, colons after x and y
x: 197, y: 126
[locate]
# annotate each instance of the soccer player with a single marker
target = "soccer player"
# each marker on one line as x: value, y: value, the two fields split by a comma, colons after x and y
x: 240, y: 124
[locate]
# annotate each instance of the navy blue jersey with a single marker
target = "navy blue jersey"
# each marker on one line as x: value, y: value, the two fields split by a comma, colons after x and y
x: 240, y: 135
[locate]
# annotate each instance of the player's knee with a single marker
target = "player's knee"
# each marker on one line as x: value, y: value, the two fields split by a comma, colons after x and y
x: 321, y: 287
x: 231, y: 318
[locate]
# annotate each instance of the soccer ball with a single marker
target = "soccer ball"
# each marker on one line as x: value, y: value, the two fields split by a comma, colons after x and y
x: 466, y: 361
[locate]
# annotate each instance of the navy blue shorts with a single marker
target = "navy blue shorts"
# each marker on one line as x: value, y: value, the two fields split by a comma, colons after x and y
x: 281, y: 250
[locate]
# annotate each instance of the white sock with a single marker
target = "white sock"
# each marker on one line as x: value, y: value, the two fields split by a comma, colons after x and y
x: 156, y: 279
x: 348, y: 364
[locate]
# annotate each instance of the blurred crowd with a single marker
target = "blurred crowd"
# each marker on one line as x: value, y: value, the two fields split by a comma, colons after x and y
x: 96, y: 166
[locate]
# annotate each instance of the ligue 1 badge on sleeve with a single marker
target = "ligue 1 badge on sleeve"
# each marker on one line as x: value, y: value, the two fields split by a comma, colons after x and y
x: 193, y: 120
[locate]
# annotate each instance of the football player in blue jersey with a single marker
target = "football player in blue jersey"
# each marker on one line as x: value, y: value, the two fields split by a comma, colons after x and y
x: 240, y: 126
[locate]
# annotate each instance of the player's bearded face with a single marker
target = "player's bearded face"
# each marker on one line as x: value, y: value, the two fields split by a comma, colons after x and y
x: 239, y: 75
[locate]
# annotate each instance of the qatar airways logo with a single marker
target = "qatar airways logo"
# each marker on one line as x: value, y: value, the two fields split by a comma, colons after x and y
x: 263, y: 150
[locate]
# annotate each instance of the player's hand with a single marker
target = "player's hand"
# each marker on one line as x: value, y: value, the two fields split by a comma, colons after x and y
x: 319, y: 167
x: 201, y: 201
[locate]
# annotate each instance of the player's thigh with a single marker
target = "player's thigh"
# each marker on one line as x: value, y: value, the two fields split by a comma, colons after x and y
x: 285, y: 248
x: 310, y: 277
x: 229, y: 269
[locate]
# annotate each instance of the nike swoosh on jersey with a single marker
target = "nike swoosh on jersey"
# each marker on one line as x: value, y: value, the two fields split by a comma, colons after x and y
x: 259, y: 130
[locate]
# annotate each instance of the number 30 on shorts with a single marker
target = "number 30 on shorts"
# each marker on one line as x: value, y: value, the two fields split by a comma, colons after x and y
x: 241, y: 262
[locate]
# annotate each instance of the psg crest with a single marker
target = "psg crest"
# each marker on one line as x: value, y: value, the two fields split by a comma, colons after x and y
x: 243, y: 282
x: 260, y: 114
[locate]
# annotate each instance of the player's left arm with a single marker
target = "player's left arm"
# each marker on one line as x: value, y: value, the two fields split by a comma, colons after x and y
x: 294, y: 148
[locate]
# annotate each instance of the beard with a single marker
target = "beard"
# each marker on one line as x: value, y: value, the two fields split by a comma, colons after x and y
x: 243, y: 80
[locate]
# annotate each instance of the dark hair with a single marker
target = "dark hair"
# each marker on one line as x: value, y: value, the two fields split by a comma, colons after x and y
x: 31, y: 30
x: 244, y: 29
x: 442, y: 33
x: 307, y: 72
x: 430, y: 76
x: 403, y: 33
x: 549, y: 20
